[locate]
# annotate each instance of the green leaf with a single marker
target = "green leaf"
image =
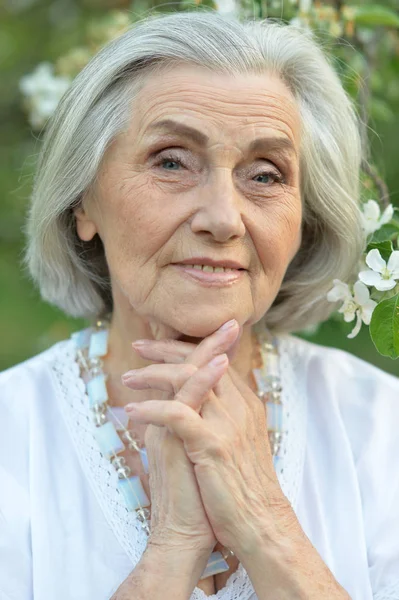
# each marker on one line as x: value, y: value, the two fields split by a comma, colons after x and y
x: 385, y: 248
x: 375, y: 15
x: 385, y: 233
x: 384, y: 327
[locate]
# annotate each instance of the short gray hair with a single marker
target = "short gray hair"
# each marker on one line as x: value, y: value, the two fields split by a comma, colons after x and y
x: 73, y: 274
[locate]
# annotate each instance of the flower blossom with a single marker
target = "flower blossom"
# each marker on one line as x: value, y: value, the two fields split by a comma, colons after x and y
x: 227, y: 7
x: 43, y: 91
x: 372, y: 218
x: 381, y: 275
x: 359, y: 304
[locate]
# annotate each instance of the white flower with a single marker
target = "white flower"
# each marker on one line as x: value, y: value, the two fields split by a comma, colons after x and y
x: 372, y: 218
x: 227, y: 7
x: 43, y: 90
x: 305, y: 5
x: 381, y: 275
x: 359, y: 305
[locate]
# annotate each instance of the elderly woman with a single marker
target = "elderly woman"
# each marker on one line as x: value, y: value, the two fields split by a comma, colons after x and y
x: 199, y: 187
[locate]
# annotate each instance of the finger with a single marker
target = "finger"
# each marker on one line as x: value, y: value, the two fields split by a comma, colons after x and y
x: 178, y: 418
x: 219, y: 342
x: 198, y: 387
x: 166, y: 351
x: 167, y: 377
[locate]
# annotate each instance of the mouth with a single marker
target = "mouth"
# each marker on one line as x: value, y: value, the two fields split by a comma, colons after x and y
x: 210, y: 276
x: 210, y: 268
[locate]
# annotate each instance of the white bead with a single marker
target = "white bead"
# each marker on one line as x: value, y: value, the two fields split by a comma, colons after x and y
x: 98, y: 343
x: 109, y: 441
x: 97, y: 390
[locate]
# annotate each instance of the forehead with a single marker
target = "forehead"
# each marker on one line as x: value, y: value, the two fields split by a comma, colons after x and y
x: 224, y: 107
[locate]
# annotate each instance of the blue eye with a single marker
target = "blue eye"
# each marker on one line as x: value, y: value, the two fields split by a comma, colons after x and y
x: 169, y: 158
x: 170, y: 161
x: 276, y: 177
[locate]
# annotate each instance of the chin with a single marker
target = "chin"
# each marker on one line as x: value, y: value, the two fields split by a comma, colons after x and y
x: 198, y: 327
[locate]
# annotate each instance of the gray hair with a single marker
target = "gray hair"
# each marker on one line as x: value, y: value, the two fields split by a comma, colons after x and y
x: 97, y: 107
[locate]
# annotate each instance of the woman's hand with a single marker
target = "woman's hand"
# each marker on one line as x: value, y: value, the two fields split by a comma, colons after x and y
x: 178, y: 517
x: 224, y: 431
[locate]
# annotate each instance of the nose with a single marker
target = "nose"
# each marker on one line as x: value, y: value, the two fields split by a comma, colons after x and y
x: 220, y: 210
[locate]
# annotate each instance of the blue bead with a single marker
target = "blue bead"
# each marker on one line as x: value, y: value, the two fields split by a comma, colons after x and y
x: 274, y: 416
x: 133, y: 492
x: 98, y: 343
x: 97, y: 390
x: 118, y: 416
x: 216, y: 564
x: 144, y: 459
x: 272, y: 364
x: 109, y: 441
x: 82, y: 338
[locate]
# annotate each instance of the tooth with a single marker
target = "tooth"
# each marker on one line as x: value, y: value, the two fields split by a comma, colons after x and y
x: 197, y: 267
x: 207, y: 268
x: 219, y: 269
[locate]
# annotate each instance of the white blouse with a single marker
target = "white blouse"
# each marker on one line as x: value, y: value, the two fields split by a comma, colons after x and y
x: 65, y: 533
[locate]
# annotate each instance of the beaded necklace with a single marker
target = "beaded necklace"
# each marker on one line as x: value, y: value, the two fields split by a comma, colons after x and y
x: 91, y: 346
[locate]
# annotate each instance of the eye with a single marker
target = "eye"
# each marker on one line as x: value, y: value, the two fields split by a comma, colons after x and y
x: 169, y: 158
x: 272, y: 177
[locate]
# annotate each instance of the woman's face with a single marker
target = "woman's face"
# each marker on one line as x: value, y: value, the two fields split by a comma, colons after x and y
x: 187, y: 181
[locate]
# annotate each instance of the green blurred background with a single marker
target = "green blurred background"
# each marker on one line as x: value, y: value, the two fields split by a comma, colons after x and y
x: 34, y: 31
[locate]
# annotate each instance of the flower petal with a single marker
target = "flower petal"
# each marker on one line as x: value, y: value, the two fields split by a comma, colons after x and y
x: 340, y: 291
x: 371, y: 210
x: 386, y: 215
x: 385, y: 284
x: 357, y: 327
x: 370, y: 278
x: 367, y: 311
x: 348, y: 308
x: 370, y: 216
x: 393, y: 264
x: 361, y: 293
x: 375, y: 261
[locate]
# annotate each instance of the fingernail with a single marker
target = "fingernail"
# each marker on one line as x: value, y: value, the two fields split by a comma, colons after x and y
x: 139, y: 343
x: 128, y: 375
x: 228, y: 325
x: 218, y: 360
x: 131, y: 407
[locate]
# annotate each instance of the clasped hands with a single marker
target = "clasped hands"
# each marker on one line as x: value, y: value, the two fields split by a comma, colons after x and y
x: 209, y: 439
x: 212, y: 477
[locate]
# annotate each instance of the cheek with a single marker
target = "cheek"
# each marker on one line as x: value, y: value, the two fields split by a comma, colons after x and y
x: 279, y: 236
x: 136, y: 225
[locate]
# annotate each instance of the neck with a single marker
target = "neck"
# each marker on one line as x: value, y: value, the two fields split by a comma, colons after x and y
x: 121, y: 357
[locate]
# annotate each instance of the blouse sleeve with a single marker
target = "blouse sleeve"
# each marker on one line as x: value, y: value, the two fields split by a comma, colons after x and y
x: 15, y: 544
x: 376, y: 452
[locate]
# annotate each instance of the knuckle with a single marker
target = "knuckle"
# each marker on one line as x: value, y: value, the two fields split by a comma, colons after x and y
x: 218, y: 349
x: 188, y: 369
x: 177, y: 411
x: 217, y: 448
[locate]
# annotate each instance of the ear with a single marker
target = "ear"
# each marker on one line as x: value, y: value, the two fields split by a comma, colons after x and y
x: 85, y: 227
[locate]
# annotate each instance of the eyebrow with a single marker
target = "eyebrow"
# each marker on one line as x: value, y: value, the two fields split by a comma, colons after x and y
x: 271, y: 142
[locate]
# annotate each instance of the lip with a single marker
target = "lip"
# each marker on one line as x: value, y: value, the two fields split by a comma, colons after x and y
x: 203, y: 260
x: 210, y: 279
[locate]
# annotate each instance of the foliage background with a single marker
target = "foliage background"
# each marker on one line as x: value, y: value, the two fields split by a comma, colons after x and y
x: 34, y: 31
